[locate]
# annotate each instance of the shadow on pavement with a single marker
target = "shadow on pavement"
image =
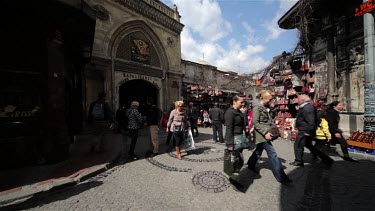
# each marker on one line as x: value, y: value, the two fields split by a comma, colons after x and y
x: 46, y: 198
x: 80, y: 158
x: 344, y: 186
x: 242, y: 182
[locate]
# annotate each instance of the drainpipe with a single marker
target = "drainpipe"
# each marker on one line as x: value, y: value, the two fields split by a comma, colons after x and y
x: 369, y: 42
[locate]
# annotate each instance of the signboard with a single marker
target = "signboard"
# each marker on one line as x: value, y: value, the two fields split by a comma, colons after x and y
x: 364, y: 8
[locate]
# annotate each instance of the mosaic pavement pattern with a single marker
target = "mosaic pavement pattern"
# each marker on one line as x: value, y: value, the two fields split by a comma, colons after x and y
x: 211, y: 181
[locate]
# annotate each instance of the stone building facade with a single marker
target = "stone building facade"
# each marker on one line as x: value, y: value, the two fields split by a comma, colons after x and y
x: 136, y: 53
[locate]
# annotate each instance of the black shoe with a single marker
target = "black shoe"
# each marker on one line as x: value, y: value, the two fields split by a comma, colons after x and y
x: 154, y: 154
x: 255, y: 170
x: 296, y: 163
x: 286, y: 181
x: 347, y: 158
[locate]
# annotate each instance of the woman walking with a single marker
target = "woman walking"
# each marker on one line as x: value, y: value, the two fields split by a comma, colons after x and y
x: 264, y: 134
x: 235, y: 122
x: 177, y: 124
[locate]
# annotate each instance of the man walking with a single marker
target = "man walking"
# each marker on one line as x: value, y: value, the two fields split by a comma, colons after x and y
x: 306, y: 123
x: 153, y: 118
x: 193, y: 118
x: 101, y: 119
x: 333, y: 118
x: 217, y: 118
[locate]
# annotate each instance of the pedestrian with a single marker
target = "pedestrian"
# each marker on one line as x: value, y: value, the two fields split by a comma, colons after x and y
x: 306, y: 124
x: 134, y: 124
x: 169, y: 136
x: 235, y: 123
x: 120, y: 113
x: 193, y: 115
x: 333, y: 118
x: 177, y: 123
x: 153, y: 119
x: 206, y: 119
x: 264, y: 136
x: 322, y: 135
x: 217, y: 118
x: 250, y: 125
x: 101, y: 119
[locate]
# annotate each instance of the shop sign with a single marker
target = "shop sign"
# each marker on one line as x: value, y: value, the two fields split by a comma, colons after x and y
x: 364, y: 8
x: 129, y: 76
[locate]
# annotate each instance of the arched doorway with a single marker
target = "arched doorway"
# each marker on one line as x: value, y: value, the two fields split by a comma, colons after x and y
x: 142, y: 91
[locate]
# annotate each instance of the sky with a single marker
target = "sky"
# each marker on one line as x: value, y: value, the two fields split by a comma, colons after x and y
x: 240, y: 35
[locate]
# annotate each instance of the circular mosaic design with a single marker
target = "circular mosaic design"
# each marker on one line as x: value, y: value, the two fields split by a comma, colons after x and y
x: 173, y: 155
x: 211, y: 181
x: 200, y: 150
x: 165, y: 167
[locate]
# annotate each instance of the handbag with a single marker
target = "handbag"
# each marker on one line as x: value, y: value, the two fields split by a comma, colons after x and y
x: 233, y: 162
x: 241, y: 142
x: 178, y: 129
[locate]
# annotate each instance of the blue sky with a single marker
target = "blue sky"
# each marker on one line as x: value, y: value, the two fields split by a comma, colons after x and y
x: 240, y: 35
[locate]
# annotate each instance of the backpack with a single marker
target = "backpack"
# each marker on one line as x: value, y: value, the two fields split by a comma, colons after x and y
x: 98, y: 111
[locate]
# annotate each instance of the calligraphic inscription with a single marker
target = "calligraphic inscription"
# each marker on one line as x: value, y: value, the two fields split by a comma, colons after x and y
x: 140, y: 51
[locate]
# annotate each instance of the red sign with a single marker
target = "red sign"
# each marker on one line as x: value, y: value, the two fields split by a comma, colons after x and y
x: 364, y: 8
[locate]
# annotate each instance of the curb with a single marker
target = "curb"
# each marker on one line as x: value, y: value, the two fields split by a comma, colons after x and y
x: 24, y: 193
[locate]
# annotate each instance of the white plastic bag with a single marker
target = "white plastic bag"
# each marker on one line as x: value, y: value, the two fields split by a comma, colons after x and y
x: 190, y: 139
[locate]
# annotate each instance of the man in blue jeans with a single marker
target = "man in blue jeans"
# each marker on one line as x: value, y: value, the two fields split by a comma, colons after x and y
x: 262, y: 122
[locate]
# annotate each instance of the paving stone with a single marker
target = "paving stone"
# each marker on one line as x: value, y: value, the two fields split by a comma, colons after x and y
x: 165, y: 183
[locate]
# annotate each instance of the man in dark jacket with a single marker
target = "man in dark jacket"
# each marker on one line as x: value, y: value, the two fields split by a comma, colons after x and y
x: 306, y: 124
x: 193, y: 114
x: 217, y: 119
x: 101, y: 119
x: 333, y: 118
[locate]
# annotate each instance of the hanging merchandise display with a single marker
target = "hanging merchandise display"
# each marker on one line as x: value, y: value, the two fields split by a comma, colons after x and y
x: 311, y: 77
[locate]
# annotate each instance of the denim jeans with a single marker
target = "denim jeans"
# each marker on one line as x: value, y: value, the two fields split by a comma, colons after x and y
x: 217, y: 128
x: 275, y: 163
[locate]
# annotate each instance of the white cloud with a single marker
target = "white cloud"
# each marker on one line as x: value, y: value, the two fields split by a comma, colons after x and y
x: 205, y: 26
x: 271, y: 26
x: 204, y: 17
x: 250, y: 36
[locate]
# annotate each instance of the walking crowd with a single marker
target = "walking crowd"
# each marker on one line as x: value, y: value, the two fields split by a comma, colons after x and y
x: 246, y: 125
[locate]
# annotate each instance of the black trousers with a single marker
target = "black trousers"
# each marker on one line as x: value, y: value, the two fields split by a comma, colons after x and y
x: 320, y: 144
x: 194, y: 126
x: 217, y: 128
x: 342, y: 142
x: 303, y: 141
x: 133, y: 133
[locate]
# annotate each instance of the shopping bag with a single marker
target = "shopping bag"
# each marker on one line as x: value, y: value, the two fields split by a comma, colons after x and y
x: 233, y: 162
x: 189, y: 139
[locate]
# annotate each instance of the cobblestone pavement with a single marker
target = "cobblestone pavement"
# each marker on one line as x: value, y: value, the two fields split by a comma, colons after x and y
x: 197, y: 183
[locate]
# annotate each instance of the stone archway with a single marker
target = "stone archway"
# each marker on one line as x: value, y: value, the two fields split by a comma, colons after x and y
x: 144, y: 92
